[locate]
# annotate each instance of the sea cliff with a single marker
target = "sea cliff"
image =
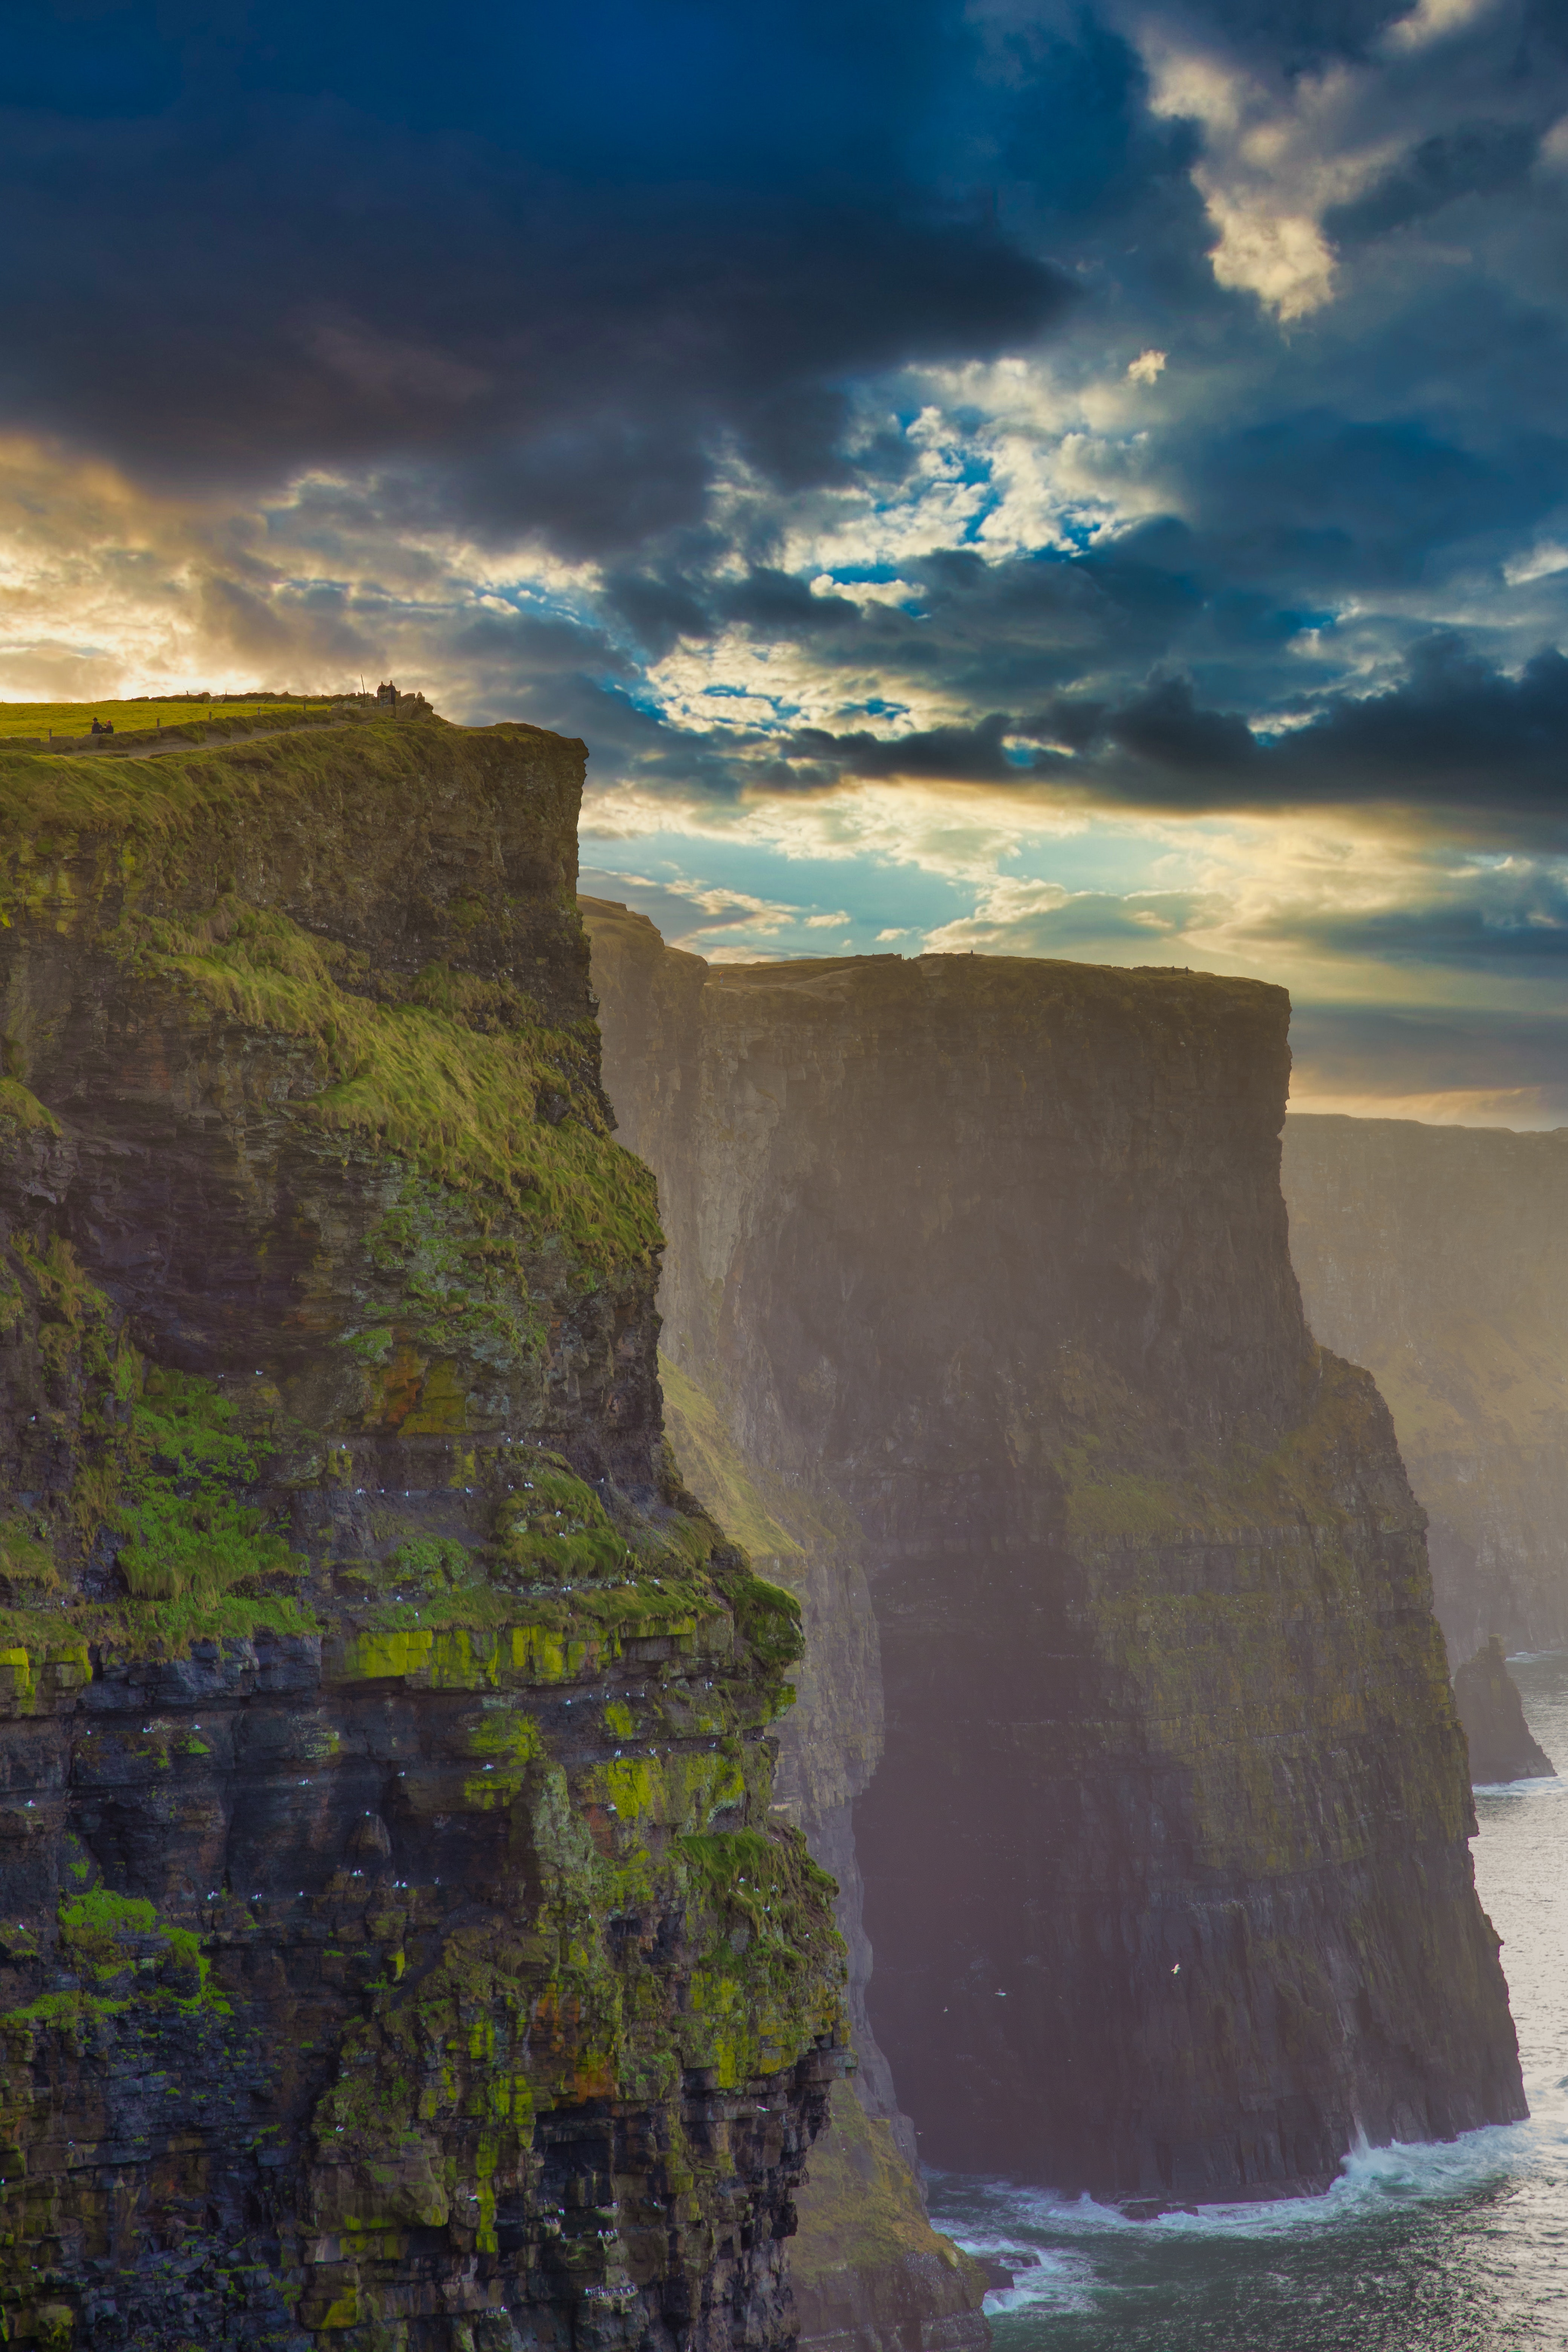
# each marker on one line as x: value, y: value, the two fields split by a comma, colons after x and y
x: 1438, y: 1256
x: 397, y: 1948
x: 1167, y: 1889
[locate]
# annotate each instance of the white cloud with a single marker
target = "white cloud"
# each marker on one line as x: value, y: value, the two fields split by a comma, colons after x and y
x: 1146, y: 367
x: 1282, y: 257
x: 1435, y: 20
x: 866, y: 592
x: 1006, y: 904
x: 740, y: 683
x: 1276, y: 155
x: 1546, y: 556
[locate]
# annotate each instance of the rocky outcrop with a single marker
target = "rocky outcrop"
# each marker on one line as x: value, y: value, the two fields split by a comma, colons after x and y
x: 869, y: 2272
x: 1165, y: 1859
x: 1502, y: 1746
x: 398, y: 1950
x: 1438, y: 1256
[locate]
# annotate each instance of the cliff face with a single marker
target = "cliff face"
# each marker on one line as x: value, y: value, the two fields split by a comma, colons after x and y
x: 868, y: 2269
x: 1164, y: 1860
x: 398, y: 1952
x: 1438, y: 1256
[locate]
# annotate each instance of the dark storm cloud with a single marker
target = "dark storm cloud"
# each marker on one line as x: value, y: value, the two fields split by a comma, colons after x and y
x: 1455, y: 735
x: 510, y: 270
x: 544, y: 260
x: 965, y: 755
x: 1476, y: 159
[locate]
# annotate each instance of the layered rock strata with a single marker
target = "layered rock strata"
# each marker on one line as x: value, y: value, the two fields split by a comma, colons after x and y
x: 397, y: 1950
x: 1502, y: 1745
x: 1165, y: 1858
x: 1438, y: 1256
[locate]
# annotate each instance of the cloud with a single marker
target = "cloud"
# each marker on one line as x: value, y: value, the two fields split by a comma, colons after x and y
x: 1546, y: 558
x: 1299, y: 158
x: 1446, y: 1065
x: 1276, y: 157
x: 1454, y: 735
x: 1087, y: 478
x: 343, y: 247
x: 1435, y: 20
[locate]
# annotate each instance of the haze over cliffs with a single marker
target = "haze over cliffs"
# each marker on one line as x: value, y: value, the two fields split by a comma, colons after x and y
x: 1438, y: 1256
x: 1164, y: 1854
x: 397, y: 1950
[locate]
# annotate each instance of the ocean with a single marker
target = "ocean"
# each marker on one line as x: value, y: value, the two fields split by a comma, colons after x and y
x: 1454, y: 2248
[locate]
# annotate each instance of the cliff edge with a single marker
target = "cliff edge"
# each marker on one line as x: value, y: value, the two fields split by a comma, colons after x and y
x: 398, y: 1950
x: 1166, y: 1862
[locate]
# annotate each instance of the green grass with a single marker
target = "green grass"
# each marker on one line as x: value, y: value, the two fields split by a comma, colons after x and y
x: 188, y: 1537
x: 101, y: 1934
x: 71, y: 718
x: 555, y: 1530
x: 46, y: 798
x: 417, y: 1079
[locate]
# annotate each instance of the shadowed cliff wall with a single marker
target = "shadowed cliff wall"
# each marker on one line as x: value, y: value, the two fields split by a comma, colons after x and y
x: 398, y: 1950
x: 1165, y: 1864
x: 868, y: 2271
x: 1438, y: 1256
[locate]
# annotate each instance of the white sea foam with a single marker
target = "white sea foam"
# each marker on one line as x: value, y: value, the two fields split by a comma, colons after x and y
x: 1463, y: 2242
x: 1024, y: 2228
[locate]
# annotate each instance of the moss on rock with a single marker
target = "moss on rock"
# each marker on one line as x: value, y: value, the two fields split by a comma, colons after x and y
x: 364, y: 1681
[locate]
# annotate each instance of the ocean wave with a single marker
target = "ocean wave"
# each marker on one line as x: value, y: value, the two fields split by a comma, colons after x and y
x: 1024, y: 2228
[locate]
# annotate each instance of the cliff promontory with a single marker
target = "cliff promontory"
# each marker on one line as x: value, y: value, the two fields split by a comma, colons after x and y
x: 1438, y: 1256
x: 1165, y: 1857
x: 397, y: 1948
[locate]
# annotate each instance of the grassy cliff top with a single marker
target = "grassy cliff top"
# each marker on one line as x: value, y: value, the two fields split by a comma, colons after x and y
x: 153, y: 787
x: 148, y: 712
x: 394, y: 896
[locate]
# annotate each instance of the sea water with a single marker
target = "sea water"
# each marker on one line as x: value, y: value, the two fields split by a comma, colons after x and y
x: 1455, y: 2247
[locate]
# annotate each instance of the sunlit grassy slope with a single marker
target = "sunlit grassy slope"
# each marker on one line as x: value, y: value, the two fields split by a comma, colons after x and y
x: 42, y: 718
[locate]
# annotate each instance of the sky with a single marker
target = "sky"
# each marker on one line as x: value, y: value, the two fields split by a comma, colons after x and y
x: 1040, y: 479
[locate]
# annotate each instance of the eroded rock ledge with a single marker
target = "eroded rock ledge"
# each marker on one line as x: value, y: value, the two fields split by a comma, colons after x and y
x: 397, y: 1951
